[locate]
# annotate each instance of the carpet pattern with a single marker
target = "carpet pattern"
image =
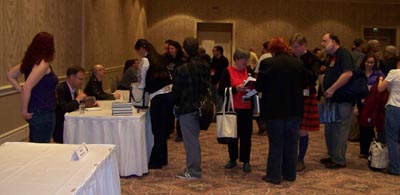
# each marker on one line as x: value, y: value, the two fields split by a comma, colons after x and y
x: 355, y: 179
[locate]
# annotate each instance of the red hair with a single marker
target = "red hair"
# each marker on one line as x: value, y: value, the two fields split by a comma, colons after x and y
x: 278, y: 45
x: 41, y: 48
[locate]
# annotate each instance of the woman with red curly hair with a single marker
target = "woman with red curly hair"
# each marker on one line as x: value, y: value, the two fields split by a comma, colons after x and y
x: 281, y: 81
x: 38, y: 94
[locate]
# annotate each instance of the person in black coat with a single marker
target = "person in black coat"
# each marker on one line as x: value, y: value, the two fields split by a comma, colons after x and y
x: 68, y: 99
x: 281, y: 80
x: 94, y: 87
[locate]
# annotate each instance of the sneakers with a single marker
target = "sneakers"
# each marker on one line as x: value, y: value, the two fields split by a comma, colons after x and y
x: 300, y: 166
x: 186, y: 174
x: 230, y: 164
x: 246, y: 168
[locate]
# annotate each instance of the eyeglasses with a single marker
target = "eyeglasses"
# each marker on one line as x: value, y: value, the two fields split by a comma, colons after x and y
x: 81, y: 79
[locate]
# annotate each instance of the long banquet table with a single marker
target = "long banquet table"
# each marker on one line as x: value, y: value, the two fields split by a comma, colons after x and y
x: 128, y: 133
x: 30, y: 168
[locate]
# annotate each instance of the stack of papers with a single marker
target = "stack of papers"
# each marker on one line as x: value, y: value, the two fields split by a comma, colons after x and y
x: 122, y: 109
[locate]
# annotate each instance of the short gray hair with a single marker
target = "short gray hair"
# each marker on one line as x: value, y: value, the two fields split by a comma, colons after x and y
x: 241, y: 54
x: 391, y: 50
x: 299, y: 38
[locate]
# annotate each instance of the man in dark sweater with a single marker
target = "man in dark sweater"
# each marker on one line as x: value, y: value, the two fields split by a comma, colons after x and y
x: 94, y: 87
x: 338, y: 74
x: 218, y: 63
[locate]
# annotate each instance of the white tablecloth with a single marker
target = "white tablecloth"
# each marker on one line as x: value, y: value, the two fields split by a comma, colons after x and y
x: 128, y: 133
x: 29, y: 168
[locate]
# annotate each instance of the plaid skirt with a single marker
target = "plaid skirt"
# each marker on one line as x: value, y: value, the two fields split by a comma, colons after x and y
x: 310, y: 120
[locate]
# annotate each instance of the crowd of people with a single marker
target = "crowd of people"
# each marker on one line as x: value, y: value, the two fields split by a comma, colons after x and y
x: 290, y: 81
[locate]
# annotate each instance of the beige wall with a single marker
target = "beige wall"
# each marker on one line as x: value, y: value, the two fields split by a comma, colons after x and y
x: 85, y: 31
x: 111, y: 29
x: 257, y: 21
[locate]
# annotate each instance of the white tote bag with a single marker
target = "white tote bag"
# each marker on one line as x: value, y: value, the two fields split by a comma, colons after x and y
x: 226, y: 121
x: 379, y: 155
x: 139, y: 97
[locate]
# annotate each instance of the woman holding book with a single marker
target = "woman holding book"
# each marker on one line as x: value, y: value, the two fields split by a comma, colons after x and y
x: 234, y: 76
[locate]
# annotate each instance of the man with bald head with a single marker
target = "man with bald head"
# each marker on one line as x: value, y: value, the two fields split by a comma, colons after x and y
x: 95, y: 86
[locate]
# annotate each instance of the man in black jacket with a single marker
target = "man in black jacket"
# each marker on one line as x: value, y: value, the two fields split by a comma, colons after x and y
x: 68, y: 99
x: 218, y: 64
x: 94, y: 87
x: 191, y: 85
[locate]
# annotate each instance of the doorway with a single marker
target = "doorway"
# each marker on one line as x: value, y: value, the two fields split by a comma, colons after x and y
x: 213, y: 34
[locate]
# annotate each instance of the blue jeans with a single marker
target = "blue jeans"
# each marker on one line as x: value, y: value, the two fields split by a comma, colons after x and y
x: 336, y: 134
x: 41, y: 126
x: 283, y: 137
x: 190, y: 133
x: 392, y: 131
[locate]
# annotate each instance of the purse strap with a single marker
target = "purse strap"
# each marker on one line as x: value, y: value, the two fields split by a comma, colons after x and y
x: 230, y: 103
x: 231, y: 99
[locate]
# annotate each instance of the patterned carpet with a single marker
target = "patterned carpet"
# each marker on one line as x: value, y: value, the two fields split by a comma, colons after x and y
x: 316, y: 179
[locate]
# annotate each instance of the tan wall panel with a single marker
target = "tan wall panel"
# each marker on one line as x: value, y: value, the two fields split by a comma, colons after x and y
x: 3, y: 67
x: 24, y: 19
x: 258, y: 21
x: 111, y: 28
x: 11, y: 38
x: 10, y: 116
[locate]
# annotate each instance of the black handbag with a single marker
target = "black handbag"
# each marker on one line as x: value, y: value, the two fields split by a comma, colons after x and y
x: 206, y: 113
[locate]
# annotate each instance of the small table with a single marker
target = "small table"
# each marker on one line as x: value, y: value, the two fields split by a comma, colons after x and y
x: 128, y: 133
x: 30, y: 168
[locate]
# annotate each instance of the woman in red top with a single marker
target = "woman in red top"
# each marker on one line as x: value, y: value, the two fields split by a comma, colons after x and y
x: 233, y: 76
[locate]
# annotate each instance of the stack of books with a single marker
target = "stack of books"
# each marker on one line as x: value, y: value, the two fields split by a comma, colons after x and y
x: 122, y: 109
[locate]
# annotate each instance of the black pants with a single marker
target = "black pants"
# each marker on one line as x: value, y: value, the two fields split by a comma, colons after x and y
x: 366, y: 135
x: 244, y: 130
x: 160, y: 107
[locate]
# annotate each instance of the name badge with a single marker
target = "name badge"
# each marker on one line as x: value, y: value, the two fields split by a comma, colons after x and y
x: 306, y: 92
x: 80, y: 152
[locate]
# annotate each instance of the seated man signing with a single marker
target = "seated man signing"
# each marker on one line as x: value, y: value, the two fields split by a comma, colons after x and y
x: 94, y: 87
x: 68, y: 98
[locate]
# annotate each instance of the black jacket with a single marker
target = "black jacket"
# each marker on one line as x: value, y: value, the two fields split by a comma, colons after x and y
x: 191, y: 84
x: 65, y: 104
x: 281, y: 80
x: 95, y: 88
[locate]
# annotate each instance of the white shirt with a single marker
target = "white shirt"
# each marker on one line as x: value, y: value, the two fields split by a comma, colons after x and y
x: 262, y: 57
x: 394, y: 87
x: 71, y: 90
x: 143, y: 67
